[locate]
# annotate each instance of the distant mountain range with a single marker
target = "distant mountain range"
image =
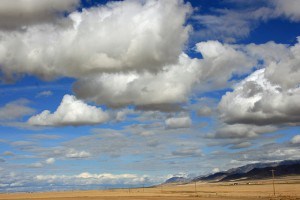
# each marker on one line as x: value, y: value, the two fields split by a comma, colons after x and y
x: 177, y: 180
x: 247, y: 172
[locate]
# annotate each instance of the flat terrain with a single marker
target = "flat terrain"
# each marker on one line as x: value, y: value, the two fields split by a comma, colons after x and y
x: 286, y: 189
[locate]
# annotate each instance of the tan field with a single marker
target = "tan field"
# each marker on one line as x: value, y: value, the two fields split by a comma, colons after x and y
x: 286, y: 189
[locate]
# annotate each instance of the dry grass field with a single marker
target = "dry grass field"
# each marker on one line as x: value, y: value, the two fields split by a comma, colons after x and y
x: 286, y: 189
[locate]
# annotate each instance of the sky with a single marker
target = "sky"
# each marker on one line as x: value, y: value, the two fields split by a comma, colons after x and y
x: 104, y: 94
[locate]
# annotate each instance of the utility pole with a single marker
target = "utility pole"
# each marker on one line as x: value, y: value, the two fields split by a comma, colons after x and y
x: 196, y: 187
x: 273, y: 170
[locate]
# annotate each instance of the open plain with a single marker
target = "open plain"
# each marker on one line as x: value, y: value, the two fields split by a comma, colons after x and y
x: 285, y: 189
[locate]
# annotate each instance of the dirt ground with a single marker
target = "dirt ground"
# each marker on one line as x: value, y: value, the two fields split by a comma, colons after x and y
x: 285, y: 189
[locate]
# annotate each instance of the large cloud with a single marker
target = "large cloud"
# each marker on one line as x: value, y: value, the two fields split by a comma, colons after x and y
x: 120, y: 36
x: 173, y: 84
x: 144, y: 66
x: 269, y: 95
x: 70, y: 112
x: 256, y: 101
x: 20, y: 13
x: 170, y: 86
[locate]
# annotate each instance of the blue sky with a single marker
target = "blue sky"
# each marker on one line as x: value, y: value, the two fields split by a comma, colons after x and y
x: 99, y: 94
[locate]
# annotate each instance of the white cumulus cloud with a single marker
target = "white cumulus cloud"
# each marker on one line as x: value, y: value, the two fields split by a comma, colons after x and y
x: 173, y: 84
x: 126, y: 35
x: 71, y: 112
x: 257, y: 101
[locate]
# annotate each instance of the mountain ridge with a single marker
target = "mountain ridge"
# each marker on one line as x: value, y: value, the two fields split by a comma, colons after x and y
x: 246, y: 172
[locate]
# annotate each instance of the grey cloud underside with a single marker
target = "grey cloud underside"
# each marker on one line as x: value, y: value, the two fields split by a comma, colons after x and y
x: 173, y: 84
x: 178, y: 122
x: 241, y: 145
x: 167, y: 107
x: 241, y: 131
x: 19, y: 14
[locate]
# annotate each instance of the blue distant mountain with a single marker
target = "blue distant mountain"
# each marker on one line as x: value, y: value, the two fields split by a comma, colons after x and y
x: 247, y: 172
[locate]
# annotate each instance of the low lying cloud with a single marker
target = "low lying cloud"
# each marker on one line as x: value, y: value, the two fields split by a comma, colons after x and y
x: 86, y: 178
x: 295, y: 139
x: 13, y: 182
x: 178, y: 122
x: 71, y: 112
x: 241, y: 131
x: 187, y: 152
x: 72, y: 153
x: 15, y: 110
x: 49, y: 161
x: 241, y: 145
